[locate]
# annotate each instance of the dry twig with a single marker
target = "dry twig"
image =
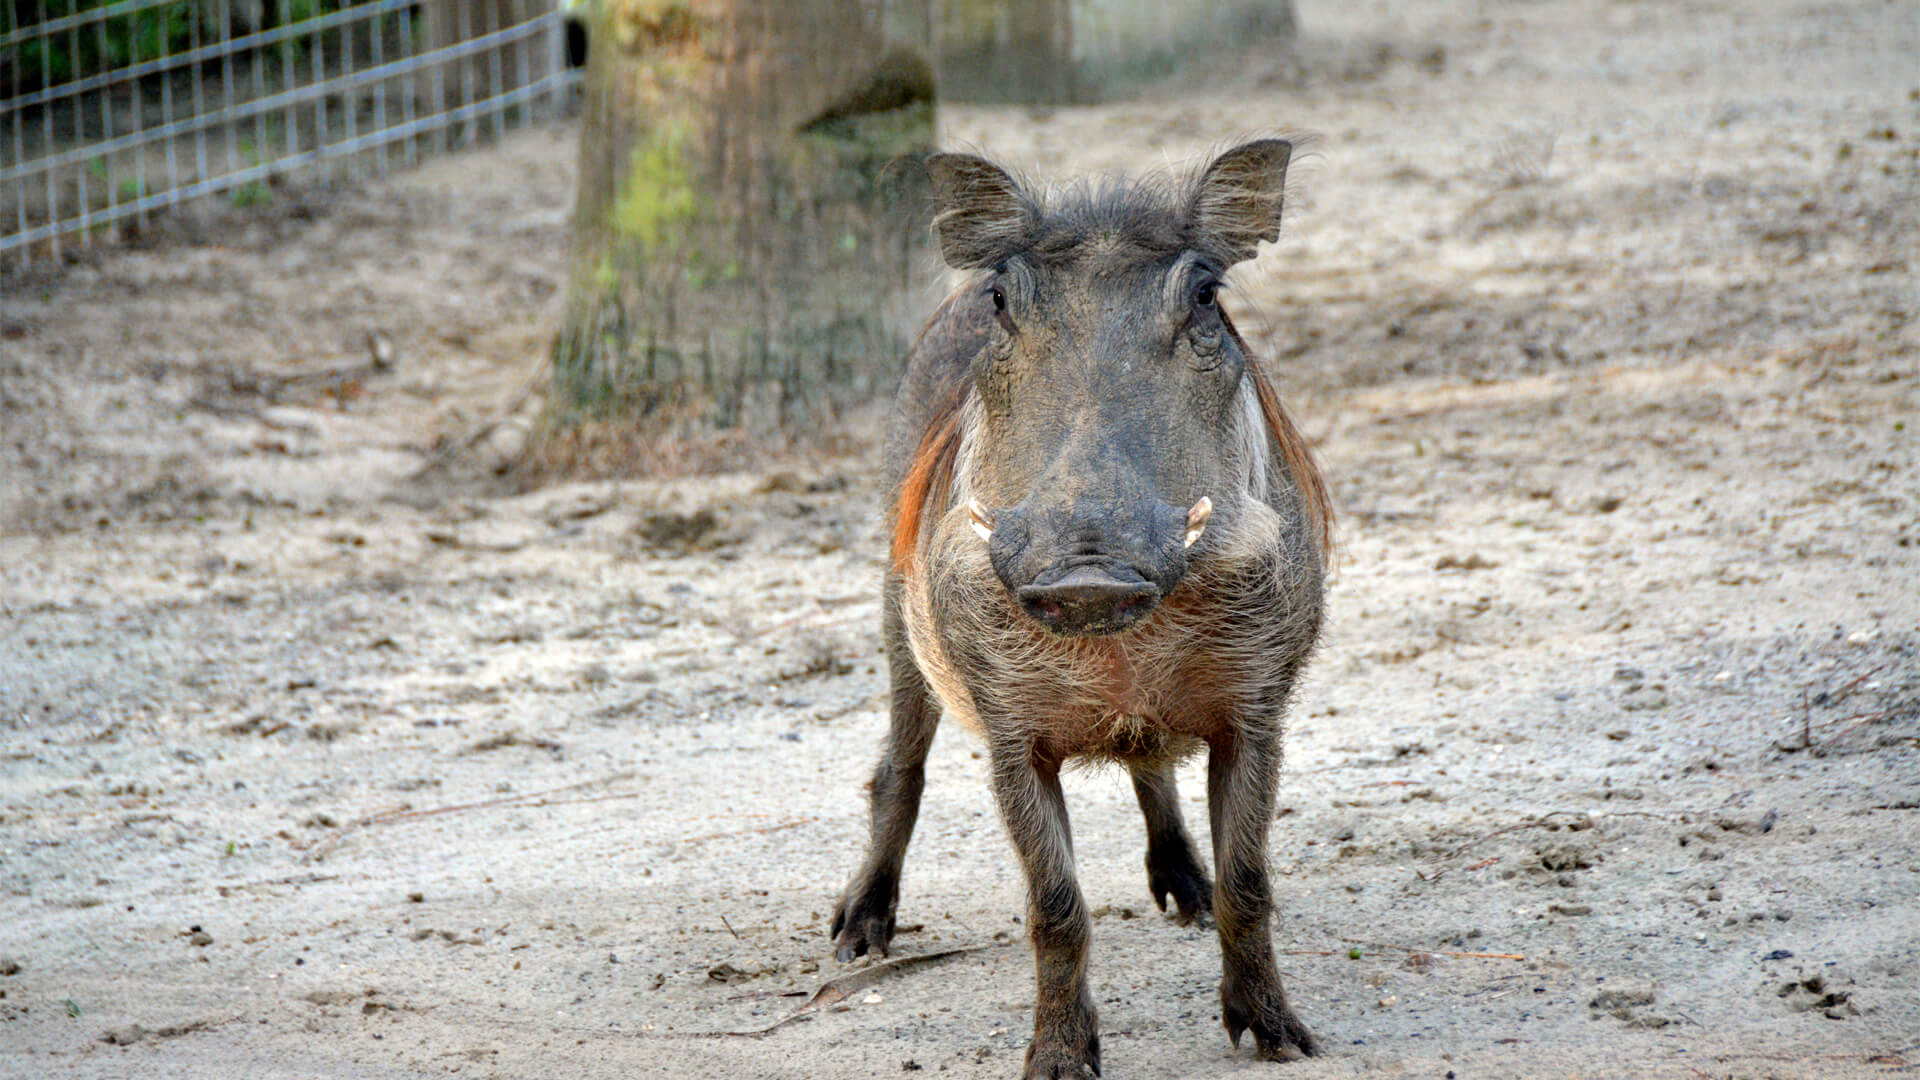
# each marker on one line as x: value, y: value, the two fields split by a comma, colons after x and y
x: 832, y: 992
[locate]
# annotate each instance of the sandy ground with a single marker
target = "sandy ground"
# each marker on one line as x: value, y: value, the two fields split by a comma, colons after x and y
x: 1602, y: 317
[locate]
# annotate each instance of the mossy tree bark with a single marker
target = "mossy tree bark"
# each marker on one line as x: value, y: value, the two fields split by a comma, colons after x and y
x: 746, y: 247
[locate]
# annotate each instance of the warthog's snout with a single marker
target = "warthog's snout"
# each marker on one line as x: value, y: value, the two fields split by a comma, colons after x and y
x: 1091, y: 567
x: 1090, y: 599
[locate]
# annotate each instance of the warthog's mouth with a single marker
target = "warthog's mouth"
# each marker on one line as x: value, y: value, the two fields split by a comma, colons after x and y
x: 1087, y: 598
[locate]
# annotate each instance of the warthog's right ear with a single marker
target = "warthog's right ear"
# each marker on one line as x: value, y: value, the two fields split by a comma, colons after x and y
x: 980, y: 212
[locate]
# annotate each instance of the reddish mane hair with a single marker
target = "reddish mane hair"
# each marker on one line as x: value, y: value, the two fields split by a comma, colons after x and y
x: 1298, y: 457
x: 927, y: 479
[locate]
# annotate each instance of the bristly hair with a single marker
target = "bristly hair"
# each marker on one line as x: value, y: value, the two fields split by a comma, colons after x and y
x: 1297, y: 455
x: 928, y: 479
x: 1145, y: 212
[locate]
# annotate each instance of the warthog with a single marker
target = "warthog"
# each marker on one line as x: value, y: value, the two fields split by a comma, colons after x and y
x: 1108, y: 543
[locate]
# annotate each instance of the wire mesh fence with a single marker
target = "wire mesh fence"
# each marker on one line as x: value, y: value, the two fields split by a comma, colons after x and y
x: 112, y: 111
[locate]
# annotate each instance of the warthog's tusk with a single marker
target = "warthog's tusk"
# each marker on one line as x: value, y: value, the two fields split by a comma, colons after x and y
x: 982, y: 521
x: 1197, y: 519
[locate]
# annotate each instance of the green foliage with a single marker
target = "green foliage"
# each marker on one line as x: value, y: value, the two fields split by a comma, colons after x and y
x: 148, y: 34
x: 251, y: 194
x: 166, y: 28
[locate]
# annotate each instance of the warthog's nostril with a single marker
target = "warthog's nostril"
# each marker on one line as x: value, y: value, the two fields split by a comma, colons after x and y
x: 1089, y: 600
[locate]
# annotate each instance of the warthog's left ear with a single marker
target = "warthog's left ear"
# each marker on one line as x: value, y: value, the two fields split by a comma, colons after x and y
x: 980, y: 212
x: 1236, y: 201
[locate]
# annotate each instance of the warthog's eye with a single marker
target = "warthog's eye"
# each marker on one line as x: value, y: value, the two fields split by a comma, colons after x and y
x: 1206, y: 294
x: 1000, y: 313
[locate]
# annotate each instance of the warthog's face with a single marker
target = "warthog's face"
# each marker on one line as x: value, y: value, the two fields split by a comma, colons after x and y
x: 1111, y: 398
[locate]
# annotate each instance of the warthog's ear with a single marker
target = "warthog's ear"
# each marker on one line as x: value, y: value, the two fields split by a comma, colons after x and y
x: 1236, y: 202
x: 980, y: 212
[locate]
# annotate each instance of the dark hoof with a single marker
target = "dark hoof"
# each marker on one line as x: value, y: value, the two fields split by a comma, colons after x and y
x: 861, y: 924
x: 1186, y: 884
x: 1278, y: 1035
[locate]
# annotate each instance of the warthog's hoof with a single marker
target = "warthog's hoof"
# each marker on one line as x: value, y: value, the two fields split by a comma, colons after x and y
x: 861, y: 923
x: 1180, y: 879
x: 1278, y: 1035
x: 1056, y: 1059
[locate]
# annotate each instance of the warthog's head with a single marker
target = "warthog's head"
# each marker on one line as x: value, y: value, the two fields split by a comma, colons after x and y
x: 1113, y: 395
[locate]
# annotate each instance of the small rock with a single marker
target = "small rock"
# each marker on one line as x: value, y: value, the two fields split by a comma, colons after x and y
x: 9, y: 966
x: 200, y: 938
x: 873, y: 998
x: 1779, y: 954
x: 1566, y: 856
x: 744, y: 971
x: 1644, y: 699
x: 1622, y: 997
x: 126, y: 1036
x: 1571, y: 909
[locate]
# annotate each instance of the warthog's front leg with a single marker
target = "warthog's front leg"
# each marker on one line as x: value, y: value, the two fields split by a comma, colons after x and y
x: 864, y: 918
x: 1243, y: 771
x: 1173, y: 870
x: 1066, y: 1033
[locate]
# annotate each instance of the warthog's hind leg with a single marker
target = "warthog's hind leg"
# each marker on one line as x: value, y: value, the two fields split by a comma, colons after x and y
x: 1173, y: 868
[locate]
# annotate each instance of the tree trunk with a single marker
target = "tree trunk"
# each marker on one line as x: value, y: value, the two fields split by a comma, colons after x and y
x: 746, y: 244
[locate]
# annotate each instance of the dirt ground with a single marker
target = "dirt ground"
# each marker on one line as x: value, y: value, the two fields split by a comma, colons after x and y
x: 322, y: 755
